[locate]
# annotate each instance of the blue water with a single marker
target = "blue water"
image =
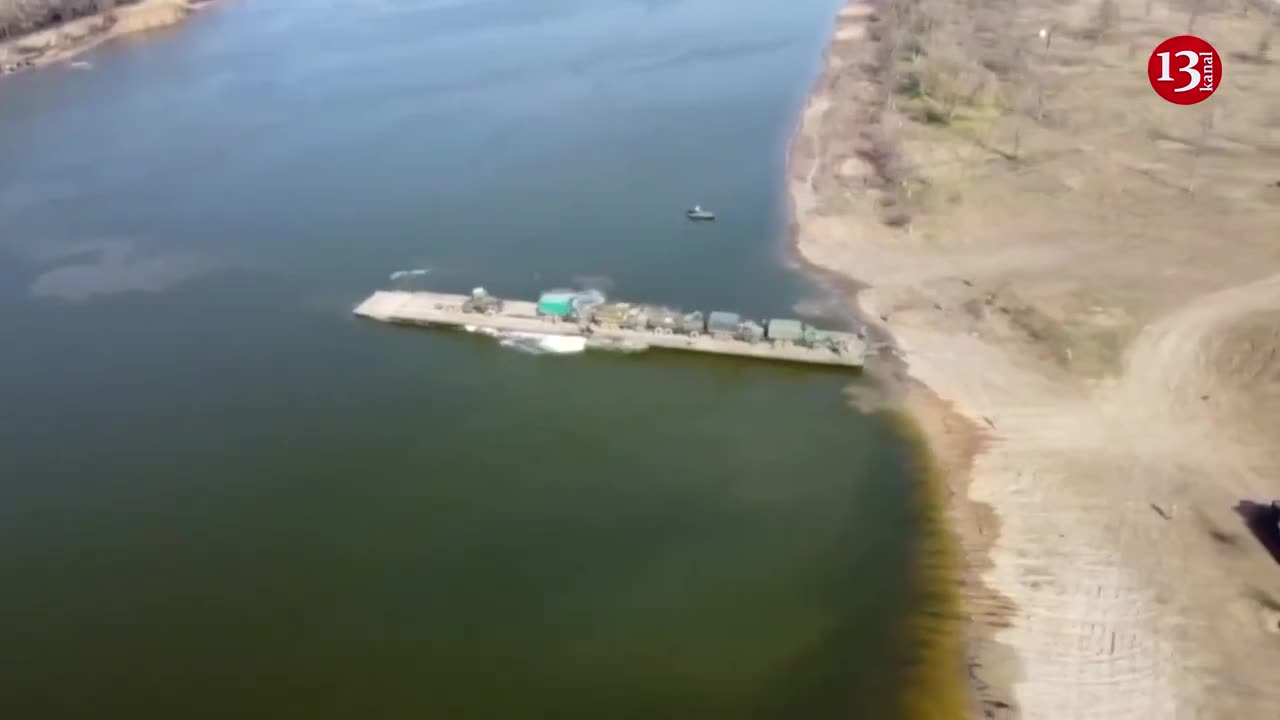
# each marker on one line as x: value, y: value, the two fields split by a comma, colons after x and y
x: 224, y: 496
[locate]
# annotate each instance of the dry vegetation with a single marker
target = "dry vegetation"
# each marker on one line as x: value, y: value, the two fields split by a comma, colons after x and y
x: 988, y: 73
x: 1090, y: 276
x: 38, y: 32
x: 19, y: 17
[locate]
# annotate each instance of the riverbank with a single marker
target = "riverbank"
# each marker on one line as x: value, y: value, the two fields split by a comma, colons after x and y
x: 679, y: 537
x: 67, y: 40
x: 1041, y: 237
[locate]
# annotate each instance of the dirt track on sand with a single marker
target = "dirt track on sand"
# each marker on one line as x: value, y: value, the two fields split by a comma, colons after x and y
x: 1094, y: 284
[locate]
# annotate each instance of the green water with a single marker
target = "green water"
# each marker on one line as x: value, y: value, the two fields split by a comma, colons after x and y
x: 222, y: 496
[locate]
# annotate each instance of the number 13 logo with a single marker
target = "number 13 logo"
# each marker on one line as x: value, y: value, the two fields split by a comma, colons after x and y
x: 1184, y: 70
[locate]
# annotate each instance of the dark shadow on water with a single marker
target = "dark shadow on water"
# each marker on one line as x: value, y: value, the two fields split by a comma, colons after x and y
x: 1261, y: 519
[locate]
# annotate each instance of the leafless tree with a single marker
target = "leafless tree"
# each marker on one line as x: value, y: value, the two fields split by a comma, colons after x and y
x: 1105, y: 20
x: 1206, y: 129
x: 1196, y: 7
x: 19, y: 17
x: 1264, y: 42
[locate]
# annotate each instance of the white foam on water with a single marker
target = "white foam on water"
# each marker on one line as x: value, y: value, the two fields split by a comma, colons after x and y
x: 415, y: 272
x: 542, y: 344
x: 533, y: 343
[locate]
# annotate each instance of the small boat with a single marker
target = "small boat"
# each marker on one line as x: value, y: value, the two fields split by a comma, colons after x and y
x: 697, y: 213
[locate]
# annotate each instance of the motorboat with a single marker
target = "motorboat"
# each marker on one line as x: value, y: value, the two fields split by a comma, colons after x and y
x: 698, y: 213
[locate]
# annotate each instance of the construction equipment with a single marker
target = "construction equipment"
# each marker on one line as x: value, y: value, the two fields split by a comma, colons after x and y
x: 480, y: 301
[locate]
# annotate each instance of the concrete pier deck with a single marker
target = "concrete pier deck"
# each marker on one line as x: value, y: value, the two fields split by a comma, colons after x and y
x: 429, y: 308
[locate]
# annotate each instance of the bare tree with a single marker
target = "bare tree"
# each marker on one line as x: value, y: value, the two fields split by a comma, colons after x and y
x: 19, y: 17
x: 1196, y: 7
x: 1264, y: 42
x: 1105, y: 20
x: 1206, y: 129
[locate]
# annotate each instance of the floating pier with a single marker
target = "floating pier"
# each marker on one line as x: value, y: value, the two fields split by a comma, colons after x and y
x: 618, y: 326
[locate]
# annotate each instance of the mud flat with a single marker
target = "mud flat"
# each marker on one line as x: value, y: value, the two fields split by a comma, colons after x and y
x: 1084, y: 287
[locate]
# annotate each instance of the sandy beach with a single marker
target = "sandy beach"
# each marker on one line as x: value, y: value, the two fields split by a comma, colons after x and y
x: 1083, y: 284
x: 66, y: 41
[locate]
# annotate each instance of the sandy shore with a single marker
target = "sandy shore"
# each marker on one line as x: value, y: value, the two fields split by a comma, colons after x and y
x: 66, y: 41
x: 1084, y: 284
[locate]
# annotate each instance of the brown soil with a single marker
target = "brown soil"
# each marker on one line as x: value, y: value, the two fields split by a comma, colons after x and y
x: 1090, y: 278
x: 67, y: 40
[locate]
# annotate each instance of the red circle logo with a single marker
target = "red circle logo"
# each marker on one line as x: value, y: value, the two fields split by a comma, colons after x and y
x: 1184, y: 70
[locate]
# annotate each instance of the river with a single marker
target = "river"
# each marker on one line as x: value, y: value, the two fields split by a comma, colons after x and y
x: 222, y: 495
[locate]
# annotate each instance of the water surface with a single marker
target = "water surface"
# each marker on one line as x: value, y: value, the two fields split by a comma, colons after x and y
x: 224, y: 496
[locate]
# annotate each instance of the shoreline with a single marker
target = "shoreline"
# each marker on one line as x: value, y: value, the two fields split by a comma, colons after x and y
x: 1079, y: 357
x: 68, y: 40
x: 948, y: 444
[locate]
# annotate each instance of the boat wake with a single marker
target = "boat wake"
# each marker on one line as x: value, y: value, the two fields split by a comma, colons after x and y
x: 409, y: 273
x: 533, y: 343
x: 539, y: 344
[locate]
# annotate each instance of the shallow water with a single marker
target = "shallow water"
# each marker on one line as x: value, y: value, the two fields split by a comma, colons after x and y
x: 225, y: 496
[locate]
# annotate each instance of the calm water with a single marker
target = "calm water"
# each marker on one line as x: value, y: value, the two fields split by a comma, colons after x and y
x: 222, y: 496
